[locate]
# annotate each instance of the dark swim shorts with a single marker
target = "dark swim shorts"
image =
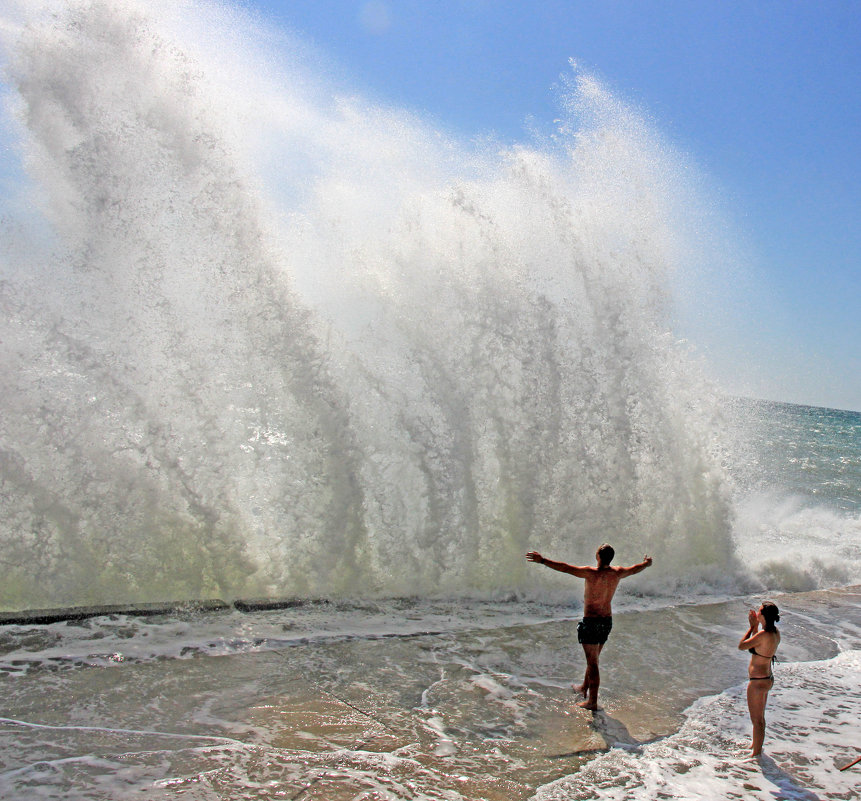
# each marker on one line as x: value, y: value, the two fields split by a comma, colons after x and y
x: 594, y: 630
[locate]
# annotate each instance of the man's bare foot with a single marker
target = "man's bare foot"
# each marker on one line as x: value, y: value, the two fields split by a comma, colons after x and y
x: 582, y: 689
x: 587, y: 705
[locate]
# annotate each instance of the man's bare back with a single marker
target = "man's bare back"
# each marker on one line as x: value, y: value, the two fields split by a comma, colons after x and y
x: 601, y: 583
x: 592, y: 632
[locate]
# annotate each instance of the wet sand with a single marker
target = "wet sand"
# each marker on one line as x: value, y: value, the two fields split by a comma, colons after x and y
x: 485, y: 714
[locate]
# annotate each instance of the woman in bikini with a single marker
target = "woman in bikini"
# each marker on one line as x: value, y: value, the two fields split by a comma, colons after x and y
x: 762, y: 645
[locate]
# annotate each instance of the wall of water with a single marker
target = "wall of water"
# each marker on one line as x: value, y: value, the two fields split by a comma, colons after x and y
x: 260, y: 337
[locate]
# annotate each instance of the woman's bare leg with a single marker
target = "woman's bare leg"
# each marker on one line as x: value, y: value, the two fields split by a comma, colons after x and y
x: 757, y: 695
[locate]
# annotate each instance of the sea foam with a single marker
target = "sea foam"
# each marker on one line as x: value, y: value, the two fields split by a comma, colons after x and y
x: 812, y: 727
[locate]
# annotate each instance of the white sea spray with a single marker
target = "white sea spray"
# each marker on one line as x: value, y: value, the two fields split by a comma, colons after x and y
x: 269, y: 338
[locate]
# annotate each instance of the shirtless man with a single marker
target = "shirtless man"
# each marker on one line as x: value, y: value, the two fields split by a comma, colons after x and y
x: 593, y: 630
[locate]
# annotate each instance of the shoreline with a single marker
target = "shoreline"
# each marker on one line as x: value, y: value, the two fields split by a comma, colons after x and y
x: 485, y: 711
x: 807, y: 750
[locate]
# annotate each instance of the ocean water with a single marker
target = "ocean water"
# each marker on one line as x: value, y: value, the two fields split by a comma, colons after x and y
x: 262, y: 337
x: 797, y: 509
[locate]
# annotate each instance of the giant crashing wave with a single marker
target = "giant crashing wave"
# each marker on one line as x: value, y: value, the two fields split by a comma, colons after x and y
x: 261, y: 337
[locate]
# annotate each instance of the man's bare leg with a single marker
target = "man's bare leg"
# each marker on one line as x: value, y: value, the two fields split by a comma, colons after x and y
x: 592, y: 680
x: 583, y: 688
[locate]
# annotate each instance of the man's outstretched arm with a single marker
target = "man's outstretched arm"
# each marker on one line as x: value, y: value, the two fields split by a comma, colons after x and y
x: 562, y: 567
x: 629, y: 571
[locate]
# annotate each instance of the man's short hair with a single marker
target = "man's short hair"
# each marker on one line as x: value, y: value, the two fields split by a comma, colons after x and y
x: 606, y: 554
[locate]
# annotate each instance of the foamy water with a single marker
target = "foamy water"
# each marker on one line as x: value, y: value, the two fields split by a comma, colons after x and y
x: 798, y: 503
x: 365, y: 700
x: 813, y: 714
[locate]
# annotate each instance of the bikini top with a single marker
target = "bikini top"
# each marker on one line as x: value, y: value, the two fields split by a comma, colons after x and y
x: 753, y: 651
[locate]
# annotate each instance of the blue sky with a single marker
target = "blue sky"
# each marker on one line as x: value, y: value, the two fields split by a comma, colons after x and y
x: 763, y: 96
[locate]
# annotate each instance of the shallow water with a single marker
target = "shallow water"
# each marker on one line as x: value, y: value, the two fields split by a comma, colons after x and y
x: 813, y: 726
x: 480, y: 709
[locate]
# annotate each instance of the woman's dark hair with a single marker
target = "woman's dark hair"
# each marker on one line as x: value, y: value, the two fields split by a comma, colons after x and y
x: 771, y: 614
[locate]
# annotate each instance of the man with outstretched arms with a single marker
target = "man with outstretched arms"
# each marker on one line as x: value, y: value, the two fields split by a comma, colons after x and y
x: 593, y: 630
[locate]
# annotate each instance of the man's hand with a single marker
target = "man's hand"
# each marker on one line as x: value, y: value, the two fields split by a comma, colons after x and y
x: 534, y: 556
x: 647, y: 560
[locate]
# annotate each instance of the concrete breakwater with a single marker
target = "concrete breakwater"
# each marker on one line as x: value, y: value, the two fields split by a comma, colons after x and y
x: 60, y: 615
